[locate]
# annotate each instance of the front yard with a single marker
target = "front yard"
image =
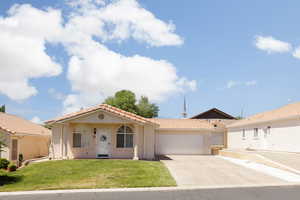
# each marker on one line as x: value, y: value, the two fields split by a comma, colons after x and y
x: 75, y: 174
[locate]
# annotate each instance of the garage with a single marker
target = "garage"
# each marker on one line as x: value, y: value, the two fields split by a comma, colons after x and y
x: 180, y: 144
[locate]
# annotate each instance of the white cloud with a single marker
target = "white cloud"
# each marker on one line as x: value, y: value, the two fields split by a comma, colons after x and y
x: 36, y: 120
x: 56, y: 94
x: 296, y: 53
x: 231, y: 84
x: 98, y: 78
x: 94, y: 71
x: 24, y: 34
x: 272, y: 45
x: 121, y: 20
x: 251, y: 83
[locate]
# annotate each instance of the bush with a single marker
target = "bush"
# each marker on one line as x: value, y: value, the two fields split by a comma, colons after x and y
x: 12, y: 167
x: 3, y: 163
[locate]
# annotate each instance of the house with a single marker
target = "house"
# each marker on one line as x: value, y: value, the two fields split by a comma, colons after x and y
x: 104, y: 131
x: 276, y: 130
x: 23, y: 137
x: 214, y: 113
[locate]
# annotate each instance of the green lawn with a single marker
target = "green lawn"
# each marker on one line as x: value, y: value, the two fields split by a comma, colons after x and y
x: 72, y: 174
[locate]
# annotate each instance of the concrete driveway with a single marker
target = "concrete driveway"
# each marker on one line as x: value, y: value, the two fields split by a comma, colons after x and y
x: 204, y: 170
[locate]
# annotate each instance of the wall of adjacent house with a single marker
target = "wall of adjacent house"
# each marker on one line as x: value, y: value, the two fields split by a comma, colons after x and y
x: 6, y: 150
x: 149, y: 142
x: 55, y: 147
x: 282, y: 136
x: 33, y: 146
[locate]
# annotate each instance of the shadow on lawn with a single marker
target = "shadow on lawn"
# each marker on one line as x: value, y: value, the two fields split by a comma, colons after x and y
x: 8, y: 179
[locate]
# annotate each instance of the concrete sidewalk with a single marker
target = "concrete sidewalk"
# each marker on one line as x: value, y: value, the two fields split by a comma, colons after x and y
x: 289, y: 159
x: 290, y: 192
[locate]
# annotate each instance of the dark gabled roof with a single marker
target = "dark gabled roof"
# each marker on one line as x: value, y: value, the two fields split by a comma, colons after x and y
x: 213, y: 113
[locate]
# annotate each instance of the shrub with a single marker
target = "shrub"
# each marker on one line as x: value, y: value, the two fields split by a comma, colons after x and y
x: 21, y: 159
x: 12, y: 167
x: 3, y: 163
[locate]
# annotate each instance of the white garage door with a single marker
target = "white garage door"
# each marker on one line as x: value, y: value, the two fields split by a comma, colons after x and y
x: 180, y: 144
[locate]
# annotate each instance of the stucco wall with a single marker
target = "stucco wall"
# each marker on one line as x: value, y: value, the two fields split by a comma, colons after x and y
x: 283, y: 136
x: 55, y: 147
x: 6, y: 139
x: 33, y: 146
x: 86, y: 124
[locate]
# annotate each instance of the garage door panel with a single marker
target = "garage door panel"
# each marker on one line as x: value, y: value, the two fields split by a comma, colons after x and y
x: 173, y: 144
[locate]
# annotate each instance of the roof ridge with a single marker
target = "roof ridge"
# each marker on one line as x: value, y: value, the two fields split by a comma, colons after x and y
x: 104, y: 107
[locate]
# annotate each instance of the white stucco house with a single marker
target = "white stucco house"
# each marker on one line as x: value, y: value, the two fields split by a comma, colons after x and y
x: 104, y: 131
x: 275, y: 130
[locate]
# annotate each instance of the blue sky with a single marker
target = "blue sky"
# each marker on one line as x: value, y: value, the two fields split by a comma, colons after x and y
x: 220, y: 53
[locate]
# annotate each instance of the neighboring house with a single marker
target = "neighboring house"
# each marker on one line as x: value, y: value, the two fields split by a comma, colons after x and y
x: 104, y: 131
x: 214, y: 113
x: 23, y: 137
x: 277, y: 130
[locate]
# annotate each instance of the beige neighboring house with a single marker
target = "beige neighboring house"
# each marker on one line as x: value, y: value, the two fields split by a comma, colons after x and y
x: 23, y: 137
x: 104, y: 131
x: 275, y: 130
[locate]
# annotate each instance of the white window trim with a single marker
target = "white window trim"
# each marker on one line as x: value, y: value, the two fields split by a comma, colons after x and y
x: 243, y: 134
x: 124, y: 133
x: 80, y: 140
x: 255, y: 133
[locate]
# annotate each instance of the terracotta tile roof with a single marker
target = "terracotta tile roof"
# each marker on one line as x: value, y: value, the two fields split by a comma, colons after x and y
x: 103, y: 107
x: 16, y: 125
x: 187, y: 124
x: 288, y: 111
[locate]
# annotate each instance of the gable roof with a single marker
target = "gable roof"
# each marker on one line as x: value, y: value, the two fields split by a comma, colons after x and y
x: 16, y: 125
x: 289, y: 111
x: 213, y: 113
x: 187, y: 124
x: 105, y: 108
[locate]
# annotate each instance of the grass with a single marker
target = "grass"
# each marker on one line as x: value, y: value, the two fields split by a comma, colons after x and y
x: 75, y: 174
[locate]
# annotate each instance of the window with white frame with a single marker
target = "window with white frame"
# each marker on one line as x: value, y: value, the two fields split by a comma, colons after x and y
x: 255, y: 134
x: 124, y: 137
x: 268, y: 131
x: 77, y: 140
x: 244, y: 134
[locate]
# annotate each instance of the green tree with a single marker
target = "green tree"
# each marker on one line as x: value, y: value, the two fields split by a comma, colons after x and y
x: 2, y: 108
x: 126, y: 100
x: 147, y: 109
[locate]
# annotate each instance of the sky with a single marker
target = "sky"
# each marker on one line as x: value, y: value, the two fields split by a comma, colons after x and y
x: 59, y: 56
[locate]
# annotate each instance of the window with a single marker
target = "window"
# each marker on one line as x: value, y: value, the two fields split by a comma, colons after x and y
x: 124, y: 137
x: 76, y: 140
x: 255, y: 133
x: 244, y: 134
x: 268, y: 131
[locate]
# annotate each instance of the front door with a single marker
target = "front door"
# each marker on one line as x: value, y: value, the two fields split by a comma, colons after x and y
x: 103, y: 143
x: 14, y: 152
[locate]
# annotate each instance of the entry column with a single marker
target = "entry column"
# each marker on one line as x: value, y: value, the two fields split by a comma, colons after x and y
x: 136, y: 143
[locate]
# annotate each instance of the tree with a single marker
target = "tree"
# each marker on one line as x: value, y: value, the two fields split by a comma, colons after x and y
x: 126, y: 100
x: 147, y: 109
x: 2, y: 108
